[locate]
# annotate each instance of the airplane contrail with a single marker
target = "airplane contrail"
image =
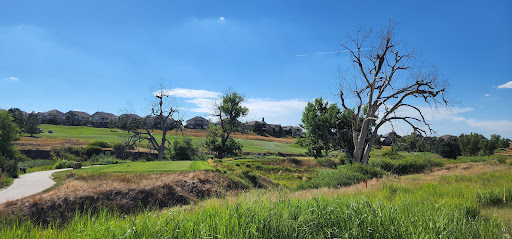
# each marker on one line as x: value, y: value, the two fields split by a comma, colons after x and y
x: 329, y: 52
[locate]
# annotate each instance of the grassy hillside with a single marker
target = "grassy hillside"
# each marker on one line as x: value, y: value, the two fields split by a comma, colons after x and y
x: 89, y: 134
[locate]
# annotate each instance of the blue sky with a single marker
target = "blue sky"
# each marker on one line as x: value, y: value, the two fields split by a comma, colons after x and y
x: 108, y: 55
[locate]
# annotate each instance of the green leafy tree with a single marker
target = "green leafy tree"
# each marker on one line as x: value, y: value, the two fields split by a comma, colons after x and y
x: 258, y: 128
x: 328, y: 129
x: 410, y: 143
x: 111, y: 124
x: 448, y: 149
x: 8, y: 154
x: 184, y: 149
x: 470, y: 144
x: 32, y: 125
x: 8, y: 133
x: 19, y: 117
x: 504, y: 143
x: 228, y: 111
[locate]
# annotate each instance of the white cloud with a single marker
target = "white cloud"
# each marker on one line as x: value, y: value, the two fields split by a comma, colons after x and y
x: 447, y: 121
x: 284, y: 112
x: 487, y: 95
x: 506, y: 85
x: 221, y: 19
x: 189, y: 93
x: 203, y: 105
x: 11, y: 78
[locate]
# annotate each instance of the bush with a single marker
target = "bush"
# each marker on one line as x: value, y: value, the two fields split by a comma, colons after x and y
x: 448, y: 149
x: 326, y: 162
x: 368, y: 170
x: 101, y: 144
x: 333, y: 179
x: 92, y: 150
x: 343, y: 176
x: 391, y: 154
x: 67, y: 153
x: 9, y: 167
x: 409, y: 165
x: 63, y: 164
x: 184, y: 149
x: 104, y: 159
x: 120, y: 151
x: 36, y: 163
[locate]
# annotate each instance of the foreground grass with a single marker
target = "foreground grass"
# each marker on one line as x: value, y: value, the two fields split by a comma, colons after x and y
x: 441, y: 204
x: 322, y: 217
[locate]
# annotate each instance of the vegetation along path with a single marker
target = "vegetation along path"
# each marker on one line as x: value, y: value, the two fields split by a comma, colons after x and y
x: 28, y: 184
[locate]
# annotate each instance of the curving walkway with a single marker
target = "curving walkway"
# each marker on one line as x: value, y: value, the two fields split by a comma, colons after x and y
x: 28, y: 184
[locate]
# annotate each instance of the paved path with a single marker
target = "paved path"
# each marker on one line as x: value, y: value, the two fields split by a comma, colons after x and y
x: 28, y: 184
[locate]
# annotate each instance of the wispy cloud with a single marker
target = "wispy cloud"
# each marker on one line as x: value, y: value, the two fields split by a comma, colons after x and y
x: 487, y: 95
x: 329, y: 52
x: 190, y: 93
x: 506, y: 85
x: 203, y: 105
x: 11, y: 78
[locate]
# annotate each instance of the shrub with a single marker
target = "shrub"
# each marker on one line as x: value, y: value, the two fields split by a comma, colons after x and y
x: 67, y: 153
x: 120, y: 150
x: 92, y: 150
x: 326, y: 162
x: 36, y: 163
x: 333, y: 179
x: 448, y: 149
x: 63, y: 164
x: 9, y: 167
x: 101, y: 144
x: 294, y: 160
x: 391, y: 154
x: 343, y: 176
x: 104, y: 159
x: 408, y: 165
x: 184, y: 149
x: 368, y: 170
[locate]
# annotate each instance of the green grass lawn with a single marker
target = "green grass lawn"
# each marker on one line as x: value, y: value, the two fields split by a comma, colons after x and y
x: 149, y: 167
x: 82, y: 132
x: 103, y: 134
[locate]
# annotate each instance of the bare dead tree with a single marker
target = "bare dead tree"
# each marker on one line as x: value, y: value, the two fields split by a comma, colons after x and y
x: 163, y: 109
x: 387, y: 81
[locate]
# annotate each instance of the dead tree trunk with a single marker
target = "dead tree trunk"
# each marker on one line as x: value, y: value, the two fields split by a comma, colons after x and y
x: 386, y: 78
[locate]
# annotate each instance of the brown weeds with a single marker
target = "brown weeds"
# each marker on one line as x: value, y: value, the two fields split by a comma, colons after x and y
x: 118, y: 192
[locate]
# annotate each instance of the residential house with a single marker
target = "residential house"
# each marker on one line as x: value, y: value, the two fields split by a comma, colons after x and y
x: 152, y: 122
x: 389, y: 138
x: 293, y: 131
x: 74, y: 117
x: 101, y: 119
x: 50, y: 117
x: 448, y: 137
x: 197, y: 122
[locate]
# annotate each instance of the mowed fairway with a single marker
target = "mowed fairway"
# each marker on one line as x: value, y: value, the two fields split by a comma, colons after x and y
x: 149, y: 167
x: 107, y: 135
